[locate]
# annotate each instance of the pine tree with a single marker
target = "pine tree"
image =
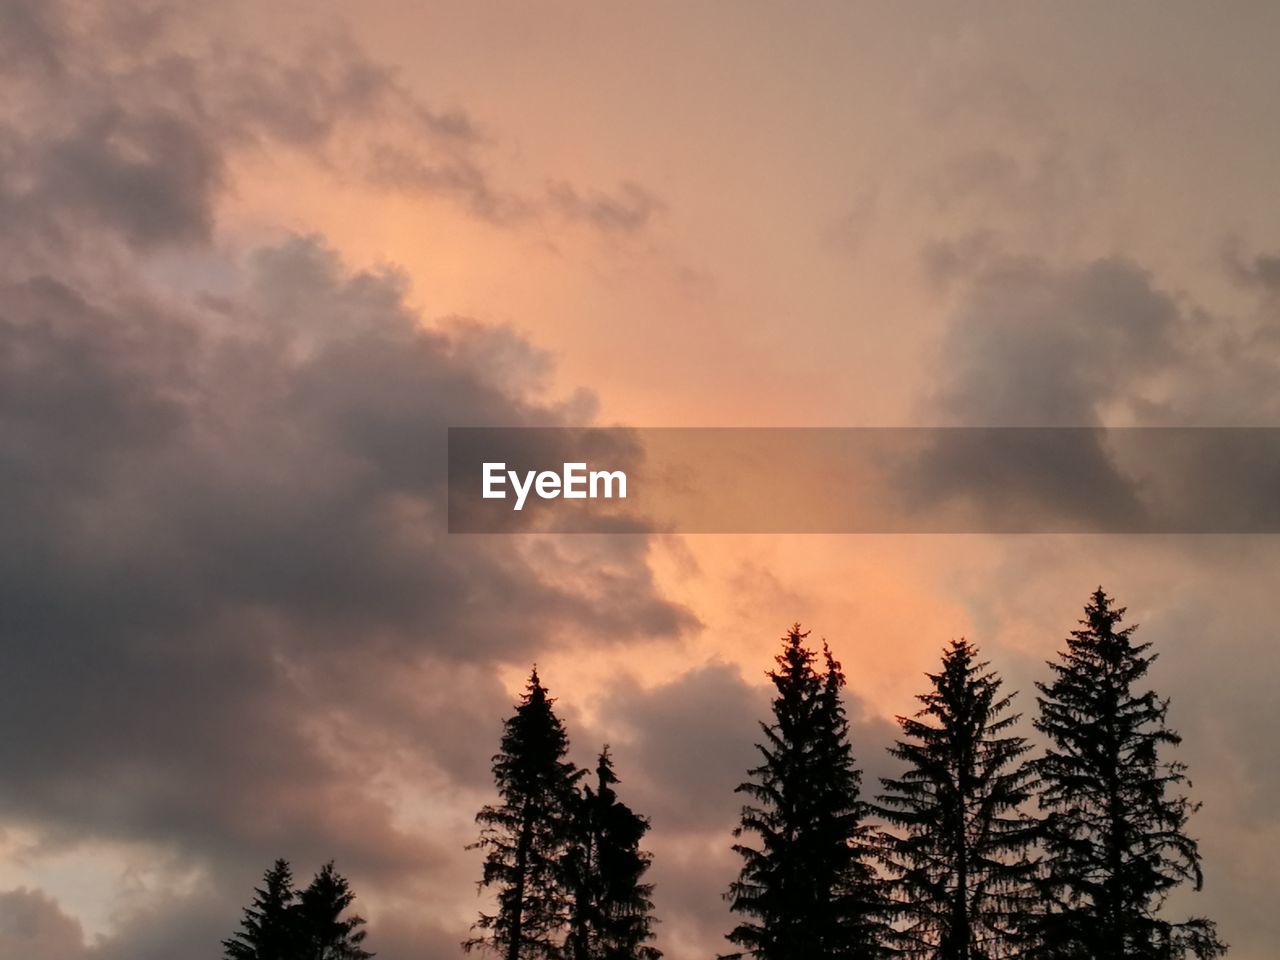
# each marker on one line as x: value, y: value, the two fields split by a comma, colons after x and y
x: 325, y: 933
x: 843, y: 843
x: 527, y: 836
x: 612, y: 908
x: 268, y: 930
x: 959, y: 864
x: 806, y: 889
x: 1115, y: 819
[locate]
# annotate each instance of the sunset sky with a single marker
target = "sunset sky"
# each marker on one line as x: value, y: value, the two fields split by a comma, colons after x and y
x: 255, y: 258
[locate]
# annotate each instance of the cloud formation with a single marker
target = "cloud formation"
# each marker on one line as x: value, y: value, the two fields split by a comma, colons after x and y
x: 230, y: 628
x: 230, y: 616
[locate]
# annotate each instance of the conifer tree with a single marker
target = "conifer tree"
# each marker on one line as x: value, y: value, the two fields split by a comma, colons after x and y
x: 612, y: 909
x: 1114, y: 813
x: 843, y: 843
x: 527, y: 836
x: 959, y: 867
x: 268, y: 930
x: 805, y: 890
x: 327, y: 930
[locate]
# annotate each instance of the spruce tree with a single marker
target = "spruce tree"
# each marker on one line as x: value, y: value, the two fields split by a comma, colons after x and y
x: 612, y: 908
x: 527, y: 836
x: 959, y: 867
x: 268, y: 929
x: 327, y: 930
x: 1114, y: 813
x: 805, y: 890
x: 843, y: 841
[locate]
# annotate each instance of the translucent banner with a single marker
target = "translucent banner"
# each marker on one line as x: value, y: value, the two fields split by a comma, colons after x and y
x: 864, y: 480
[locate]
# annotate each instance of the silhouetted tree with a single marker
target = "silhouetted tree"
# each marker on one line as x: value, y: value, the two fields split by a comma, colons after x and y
x: 806, y: 887
x: 327, y: 931
x: 283, y: 924
x: 269, y: 928
x: 959, y: 867
x: 612, y: 910
x: 527, y: 835
x: 1114, y: 828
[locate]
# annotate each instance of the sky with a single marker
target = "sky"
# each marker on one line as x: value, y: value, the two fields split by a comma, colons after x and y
x: 254, y: 260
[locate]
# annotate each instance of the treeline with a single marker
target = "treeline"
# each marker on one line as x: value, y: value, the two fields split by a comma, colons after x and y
x: 980, y: 848
x: 564, y: 857
x: 284, y: 923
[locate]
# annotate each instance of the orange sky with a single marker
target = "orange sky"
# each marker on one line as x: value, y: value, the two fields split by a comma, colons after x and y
x: 806, y: 166
x: 739, y: 214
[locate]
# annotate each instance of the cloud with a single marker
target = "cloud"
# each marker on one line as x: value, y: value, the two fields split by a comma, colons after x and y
x: 681, y: 748
x: 131, y: 125
x: 198, y: 513
x: 33, y: 926
x: 31, y: 37
x: 1257, y: 270
x: 1094, y: 345
x: 1102, y: 342
x: 1031, y: 345
x: 232, y: 625
x: 628, y: 210
x: 166, y: 929
x: 943, y: 261
x: 690, y: 744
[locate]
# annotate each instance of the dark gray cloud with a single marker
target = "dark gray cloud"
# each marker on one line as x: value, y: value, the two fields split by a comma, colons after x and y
x: 188, y: 507
x: 691, y: 744
x: 150, y: 176
x: 1256, y: 270
x: 1264, y: 270
x: 31, y: 37
x: 225, y: 583
x: 165, y: 929
x: 125, y: 127
x: 128, y: 129
x: 32, y: 926
x: 1032, y: 345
